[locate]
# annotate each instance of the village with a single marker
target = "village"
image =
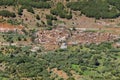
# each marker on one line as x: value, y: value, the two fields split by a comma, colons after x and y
x: 62, y: 37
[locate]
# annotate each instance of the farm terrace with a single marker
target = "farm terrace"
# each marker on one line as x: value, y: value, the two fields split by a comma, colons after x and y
x: 5, y: 27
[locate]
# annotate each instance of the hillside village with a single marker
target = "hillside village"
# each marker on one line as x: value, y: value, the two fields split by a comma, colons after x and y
x: 58, y: 36
x: 59, y: 40
x: 54, y: 39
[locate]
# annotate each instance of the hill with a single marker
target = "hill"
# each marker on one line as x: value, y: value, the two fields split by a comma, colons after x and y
x: 59, y: 39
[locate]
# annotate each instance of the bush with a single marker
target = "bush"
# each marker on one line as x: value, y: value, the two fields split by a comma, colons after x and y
x: 29, y: 8
x: 49, y: 22
x: 69, y: 16
x: 31, y: 3
x: 7, y: 13
x: 37, y: 17
x: 20, y: 10
x: 61, y: 11
x: 51, y: 17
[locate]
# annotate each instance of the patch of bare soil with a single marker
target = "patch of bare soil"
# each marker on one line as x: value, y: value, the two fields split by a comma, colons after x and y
x: 60, y: 73
x: 111, y: 25
x: 75, y: 75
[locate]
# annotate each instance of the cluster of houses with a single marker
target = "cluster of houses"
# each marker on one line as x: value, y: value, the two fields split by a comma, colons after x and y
x: 62, y: 37
x: 51, y: 39
x: 91, y: 37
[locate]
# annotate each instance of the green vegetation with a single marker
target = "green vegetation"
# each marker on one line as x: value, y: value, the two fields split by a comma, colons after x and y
x: 13, y: 37
x: 37, y: 17
x: 100, y: 8
x: 29, y: 9
x: 6, y: 13
x: 49, y: 22
x: 61, y: 11
x: 20, y: 10
x: 30, y: 3
x: 51, y: 17
x: 90, y: 61
x: 7, y: 2
x: 14, y: 22
x: 96, y: 62
x: 115, y: 3
x: 97, y: 9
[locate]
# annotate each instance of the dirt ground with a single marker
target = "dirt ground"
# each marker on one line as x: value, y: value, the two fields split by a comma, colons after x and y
x: 78, y: 21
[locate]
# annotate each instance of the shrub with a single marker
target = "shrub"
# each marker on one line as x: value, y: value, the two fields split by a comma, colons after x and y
x: 37, y: 17
x: 7, y: 13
